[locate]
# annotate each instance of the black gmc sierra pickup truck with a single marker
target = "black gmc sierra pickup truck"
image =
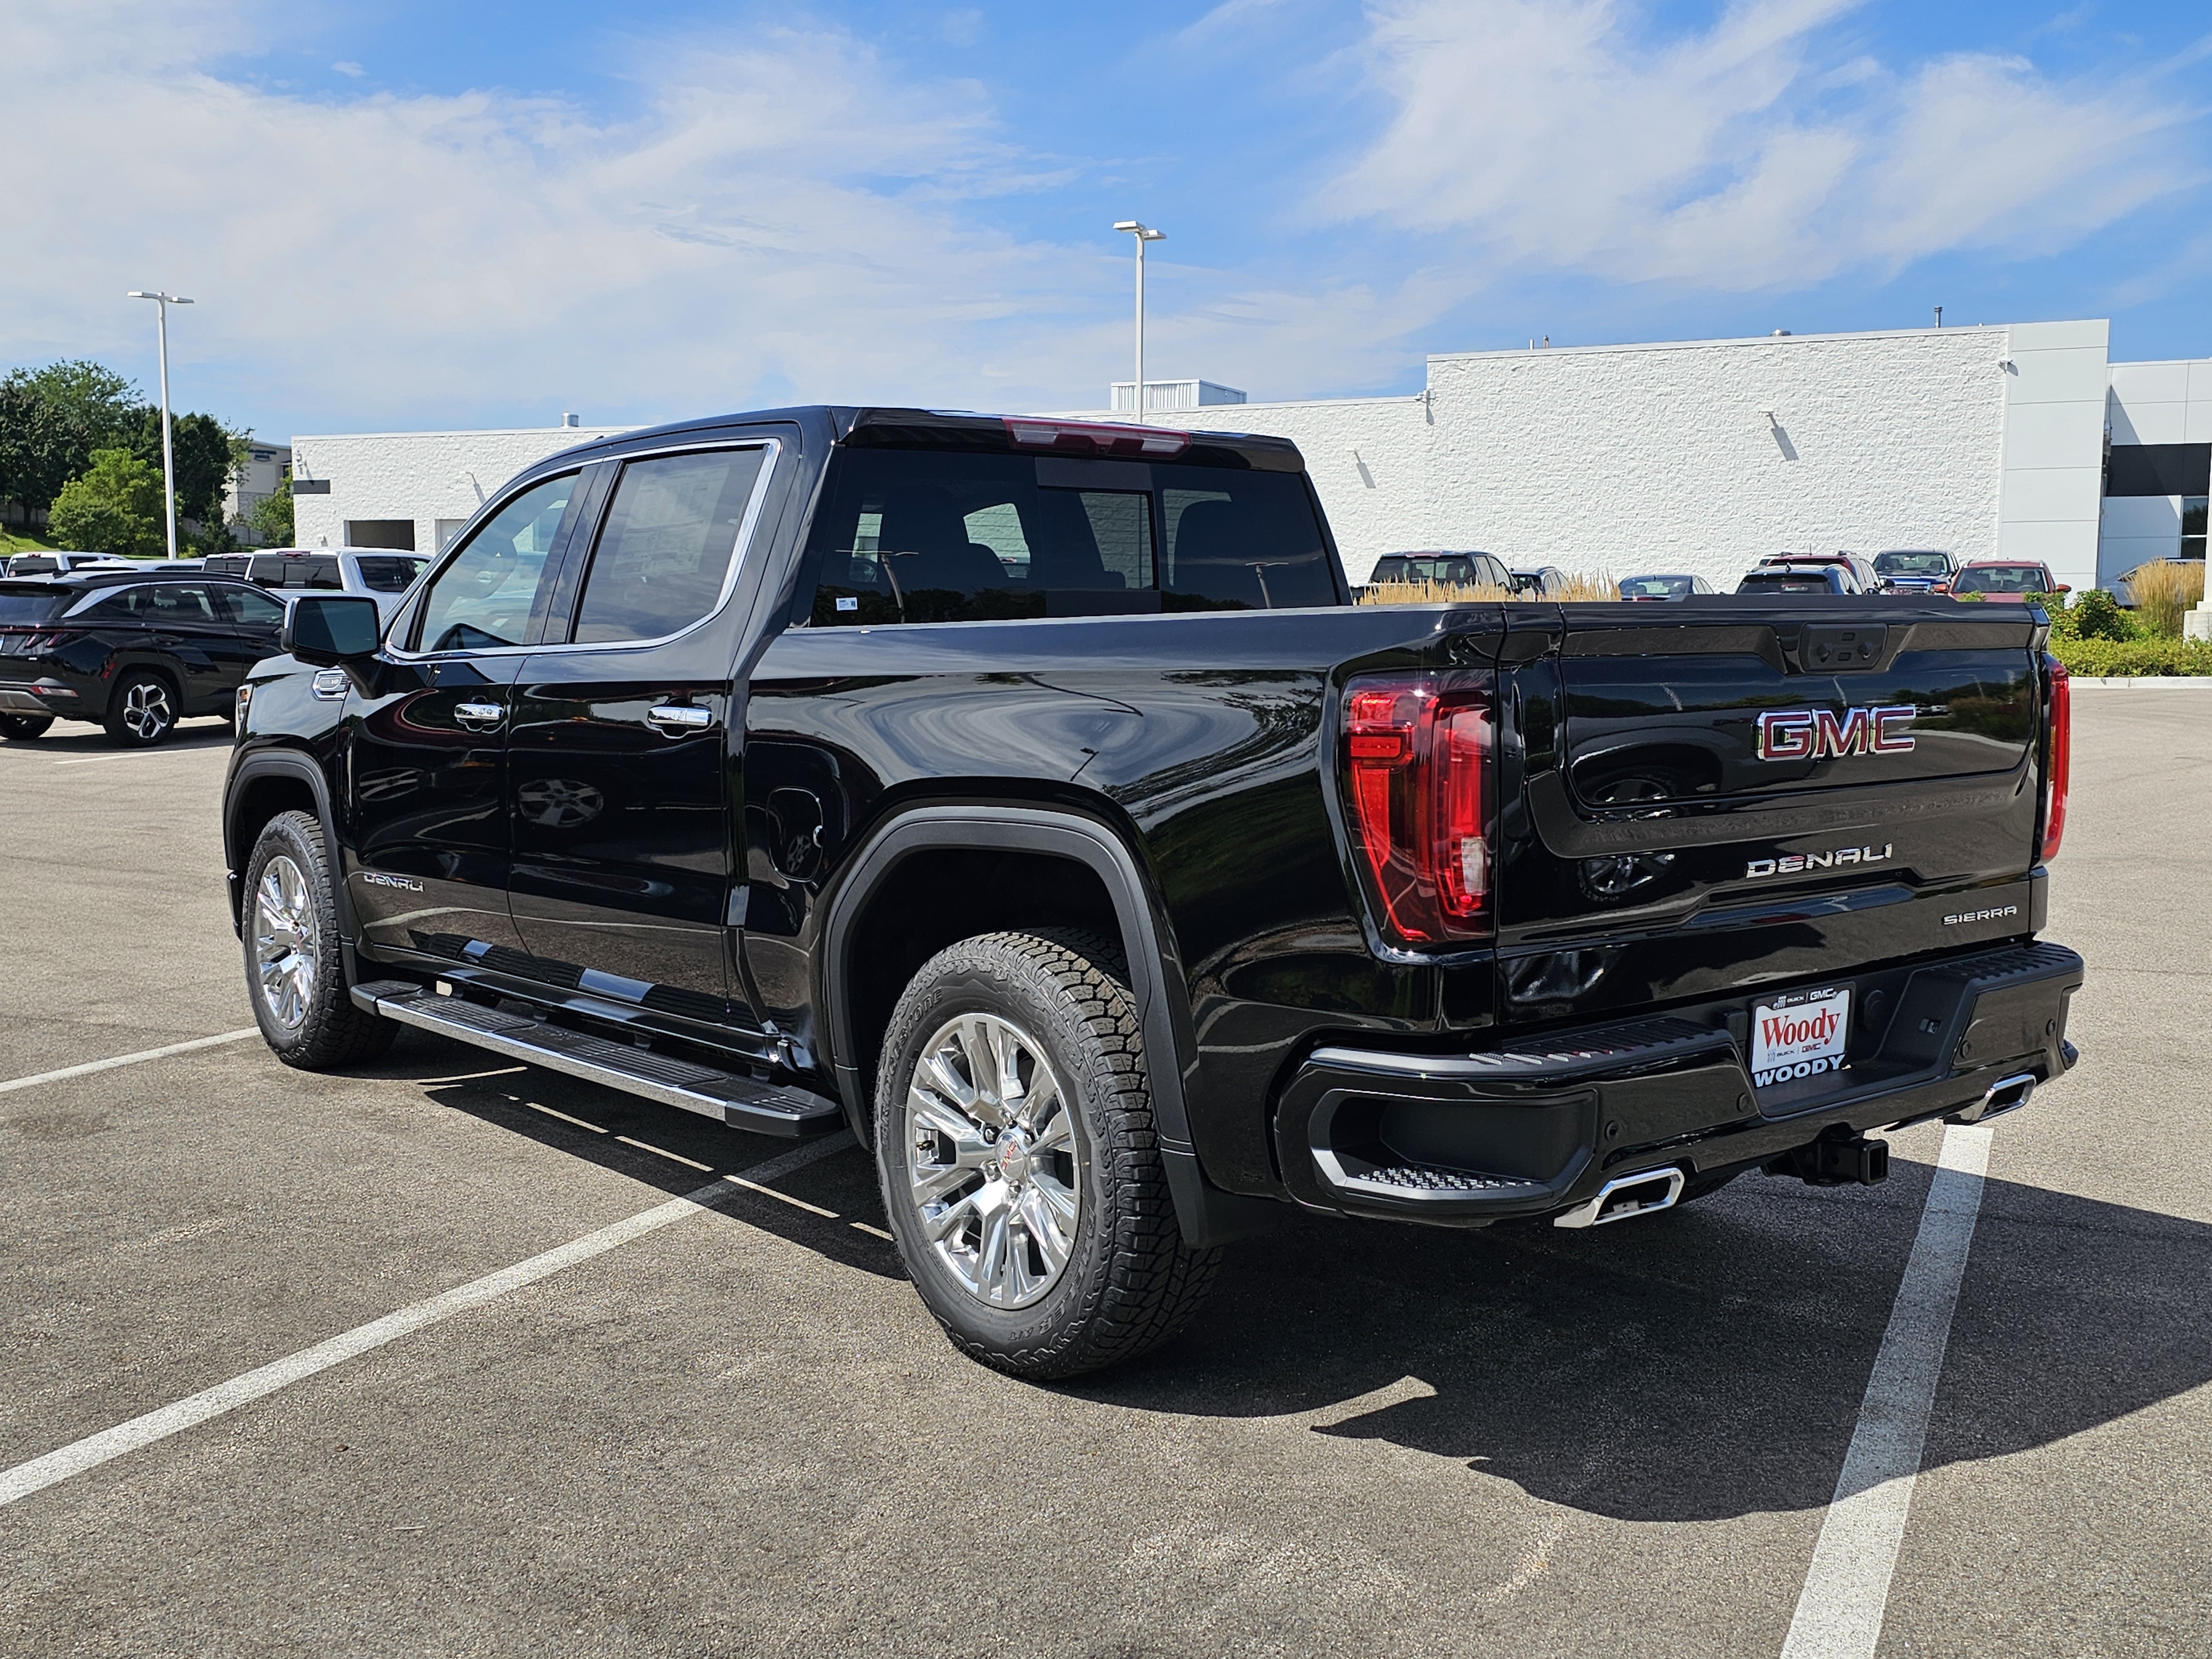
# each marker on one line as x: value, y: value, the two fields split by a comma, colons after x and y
x: 1024, y: 796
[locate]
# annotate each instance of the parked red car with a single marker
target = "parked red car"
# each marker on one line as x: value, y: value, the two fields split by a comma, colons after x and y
x: 2010, y: 579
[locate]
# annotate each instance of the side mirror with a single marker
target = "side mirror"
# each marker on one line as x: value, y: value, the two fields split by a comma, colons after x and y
x: 2062, y: 589
x: 327, y: 630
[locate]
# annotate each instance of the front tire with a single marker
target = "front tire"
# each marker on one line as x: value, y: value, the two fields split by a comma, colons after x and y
x: 142, y: 711
x: 22, y: 728
x: 295, y: 969
x: 1020, y: 1166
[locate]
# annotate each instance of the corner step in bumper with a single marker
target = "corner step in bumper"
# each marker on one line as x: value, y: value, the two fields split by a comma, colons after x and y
x: 743, y: 1103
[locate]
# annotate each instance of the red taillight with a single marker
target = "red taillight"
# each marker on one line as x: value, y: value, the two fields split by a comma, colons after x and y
x: 2061, y: 757
x: 1417, y: 766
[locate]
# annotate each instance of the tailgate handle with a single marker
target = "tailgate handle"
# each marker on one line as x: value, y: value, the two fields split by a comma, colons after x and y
x: 479, y: 716
x: 1836, y: 649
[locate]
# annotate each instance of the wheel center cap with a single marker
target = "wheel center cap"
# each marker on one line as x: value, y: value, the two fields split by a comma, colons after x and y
x: 1014, y: 1159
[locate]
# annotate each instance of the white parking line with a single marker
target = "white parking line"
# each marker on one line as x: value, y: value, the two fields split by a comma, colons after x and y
x: 189, y: 1412
x: 91, y: 1065
x: 1839, y: 1612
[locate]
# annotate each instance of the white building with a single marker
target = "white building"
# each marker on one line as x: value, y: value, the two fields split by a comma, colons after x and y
x: 1701, y: 456
x: 411, y: 490
x: 1704, y: 456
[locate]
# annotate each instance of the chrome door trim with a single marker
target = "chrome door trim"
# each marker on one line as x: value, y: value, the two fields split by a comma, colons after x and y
x: 739, y: 554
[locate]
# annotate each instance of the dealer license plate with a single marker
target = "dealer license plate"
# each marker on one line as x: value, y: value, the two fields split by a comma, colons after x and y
x: 1800, y: 1035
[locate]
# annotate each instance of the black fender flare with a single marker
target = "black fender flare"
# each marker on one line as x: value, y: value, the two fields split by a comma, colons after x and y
x: 1209, y: 1215
x: 295, y: 764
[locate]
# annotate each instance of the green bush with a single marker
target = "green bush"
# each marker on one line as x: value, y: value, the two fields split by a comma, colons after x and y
x: 114, y: 508
x: 2099, y: 656
x: 2094, y: 615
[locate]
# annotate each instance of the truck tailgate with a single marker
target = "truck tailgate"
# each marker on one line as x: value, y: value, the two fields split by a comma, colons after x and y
x: 1748, y: 795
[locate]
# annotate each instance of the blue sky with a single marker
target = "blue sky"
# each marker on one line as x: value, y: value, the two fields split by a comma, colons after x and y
x: 417, y: 216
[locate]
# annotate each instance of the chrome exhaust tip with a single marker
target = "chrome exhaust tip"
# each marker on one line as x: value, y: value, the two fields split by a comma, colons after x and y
x: 2007, y: 1094
x: 1637, y: 1194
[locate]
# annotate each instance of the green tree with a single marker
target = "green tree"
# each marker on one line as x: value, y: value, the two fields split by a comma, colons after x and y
x: 39, y: 453
x: 206, y: 452
x: 51, y: 420
x: 114, y: 508
x: 273, y: 514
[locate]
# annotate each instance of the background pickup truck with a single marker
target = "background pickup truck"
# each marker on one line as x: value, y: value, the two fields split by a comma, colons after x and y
x: 1024, y: 797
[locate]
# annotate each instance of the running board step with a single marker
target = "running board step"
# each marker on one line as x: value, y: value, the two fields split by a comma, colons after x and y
x: 743, y: 1103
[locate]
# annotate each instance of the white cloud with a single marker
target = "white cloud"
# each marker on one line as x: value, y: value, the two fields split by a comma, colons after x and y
x: 784, y: 220
x: 348, y: 69
x: 1760, y: 153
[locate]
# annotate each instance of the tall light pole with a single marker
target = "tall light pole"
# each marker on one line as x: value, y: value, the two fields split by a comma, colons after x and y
x: 162, y: 304
x: 1144, y: 233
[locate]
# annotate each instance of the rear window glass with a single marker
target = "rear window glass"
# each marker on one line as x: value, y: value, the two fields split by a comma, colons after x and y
x: 2003, y: 579
x: 280, y: 570
x: 924, y: 536
x: 1656, y: 587
x: 1431, y: 567
x: 1912, y: 564
x: 22, y: 605
x: 389, y: 574
x: 1784, y: 582
x: 35, y: 564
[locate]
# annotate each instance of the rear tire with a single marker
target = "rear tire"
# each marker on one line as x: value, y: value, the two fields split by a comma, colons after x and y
x: 295, y: 967
x: 22, y: 728
x: 142, y: 711
x: 1019, y: 1162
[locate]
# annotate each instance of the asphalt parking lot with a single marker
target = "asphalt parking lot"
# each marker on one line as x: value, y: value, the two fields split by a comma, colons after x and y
x: 739, y: 1433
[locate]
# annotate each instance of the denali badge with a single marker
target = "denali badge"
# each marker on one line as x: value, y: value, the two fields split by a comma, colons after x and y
x: 1999, y: 912
x: 378, y: 878
x: 1798, y: 862
x: 1801, y: 734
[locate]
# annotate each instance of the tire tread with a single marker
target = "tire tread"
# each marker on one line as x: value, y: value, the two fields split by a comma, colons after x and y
x: 1153, y: 1282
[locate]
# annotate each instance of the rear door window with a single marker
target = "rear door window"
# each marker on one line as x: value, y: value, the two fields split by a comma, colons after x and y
x: 248, y: 608
x: 669, y: 549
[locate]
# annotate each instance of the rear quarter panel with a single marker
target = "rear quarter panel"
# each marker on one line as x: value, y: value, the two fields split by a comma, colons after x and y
x: 1202, y: 739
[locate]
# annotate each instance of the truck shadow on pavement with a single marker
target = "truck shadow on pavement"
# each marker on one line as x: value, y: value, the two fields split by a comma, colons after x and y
x: 672, y: 1151
x: 1696, y: 1366
x: 1692, y: 1367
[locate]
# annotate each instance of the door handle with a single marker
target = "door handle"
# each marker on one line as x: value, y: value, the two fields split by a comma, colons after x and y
x: 674, y: 718
x: 479, y: 716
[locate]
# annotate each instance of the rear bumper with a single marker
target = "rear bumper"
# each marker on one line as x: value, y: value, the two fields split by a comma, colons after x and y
x: 45, y: 695
x: 1462, y: 1139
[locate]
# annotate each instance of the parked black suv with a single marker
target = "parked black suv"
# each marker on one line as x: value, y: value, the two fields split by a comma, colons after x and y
x: 1024, y: 796
x: 135, y: 652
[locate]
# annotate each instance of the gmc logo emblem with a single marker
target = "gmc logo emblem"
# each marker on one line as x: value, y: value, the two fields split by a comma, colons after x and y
x: 1804, y: 734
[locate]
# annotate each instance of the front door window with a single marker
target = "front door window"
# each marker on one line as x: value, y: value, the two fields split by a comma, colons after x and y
x: 487, y: 595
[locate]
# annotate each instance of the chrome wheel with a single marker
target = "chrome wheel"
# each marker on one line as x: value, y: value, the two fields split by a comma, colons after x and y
x: 284, y: 941
x: 146, y: 709
x: 992, y: 1160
